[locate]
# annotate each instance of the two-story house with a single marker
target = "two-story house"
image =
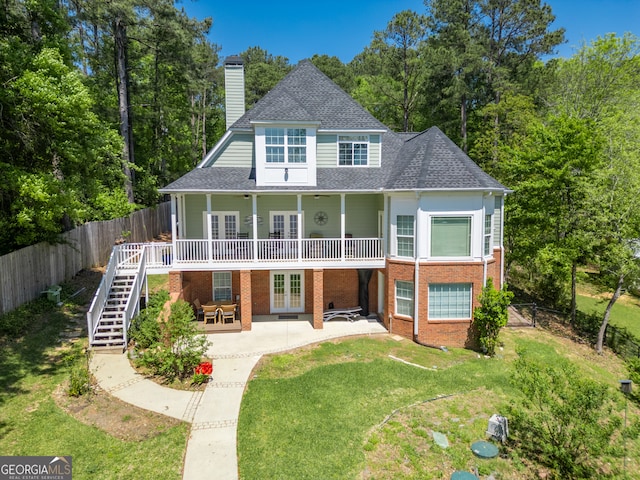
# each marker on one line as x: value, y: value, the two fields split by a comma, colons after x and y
x: 308, y: 202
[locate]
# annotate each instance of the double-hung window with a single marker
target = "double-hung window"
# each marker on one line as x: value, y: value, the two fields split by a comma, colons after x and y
x: 286, y: 145
x: 449, y: 301
x: 405, y: 235
x: 404, y: 298
x: 353, y: 149
x: 450, y: 236
x: 222, y: 286
x: 488, y: 221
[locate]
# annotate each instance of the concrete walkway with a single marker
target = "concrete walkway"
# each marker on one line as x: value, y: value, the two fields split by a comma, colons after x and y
x: 213, y: 414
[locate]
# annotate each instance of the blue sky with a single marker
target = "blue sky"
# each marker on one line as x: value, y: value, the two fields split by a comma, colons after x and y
x: 298, y: 29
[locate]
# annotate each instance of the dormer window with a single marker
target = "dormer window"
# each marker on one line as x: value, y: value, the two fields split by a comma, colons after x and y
x: 353, y: 150
x: 286, y: 145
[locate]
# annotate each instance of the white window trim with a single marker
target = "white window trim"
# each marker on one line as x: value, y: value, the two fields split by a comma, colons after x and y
x: 353, y: 134
x: 413, y: 237
x: 286, y: 146
x: 451, y: 318
x: 470, y: 215
x: 213, y: 285
x: 487, y: 235
x: 220, y: 215
x: 396, y: 297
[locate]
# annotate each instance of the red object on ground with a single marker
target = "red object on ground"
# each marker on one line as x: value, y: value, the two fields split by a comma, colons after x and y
x: 205, y: 368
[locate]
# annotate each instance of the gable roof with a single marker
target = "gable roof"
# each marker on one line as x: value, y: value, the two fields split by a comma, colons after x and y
x: 308, y: 95
x: 409, y: 161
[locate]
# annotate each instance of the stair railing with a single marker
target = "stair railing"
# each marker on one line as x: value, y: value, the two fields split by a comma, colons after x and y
x: 132, y: 306
x: 100, y: 297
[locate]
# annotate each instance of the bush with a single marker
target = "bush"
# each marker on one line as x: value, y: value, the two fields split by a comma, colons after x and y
x: 181, y: 345
x: 491, y: 315
x: 145, y: 327
x: 563, y: 420
x: 79, y: 380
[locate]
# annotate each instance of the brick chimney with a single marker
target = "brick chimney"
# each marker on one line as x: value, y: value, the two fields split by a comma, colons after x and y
x: 234, y: 88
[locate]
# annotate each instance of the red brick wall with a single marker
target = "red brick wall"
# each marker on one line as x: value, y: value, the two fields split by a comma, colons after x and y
x: 341, y: 288
x: 200, y: 286
x: 317, y: 289
x: 453, y: 333
x: 246, y: 310
x: 260, y: 302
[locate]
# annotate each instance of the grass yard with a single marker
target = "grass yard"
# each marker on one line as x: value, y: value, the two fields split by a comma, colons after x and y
x: 346, y: 409
x: 37, y: 418
x: 625, y: 312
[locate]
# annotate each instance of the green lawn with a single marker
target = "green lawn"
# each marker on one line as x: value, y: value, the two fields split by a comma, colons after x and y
x: 32, y: 367
x: 625, y: 312
x: 319, y: 412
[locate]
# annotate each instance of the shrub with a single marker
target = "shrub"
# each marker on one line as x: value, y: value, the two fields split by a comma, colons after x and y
x: 145, y: 327
x: 563, y: 420
x: 491, y: 315
x: 181, y: 345
x: 79, y: 380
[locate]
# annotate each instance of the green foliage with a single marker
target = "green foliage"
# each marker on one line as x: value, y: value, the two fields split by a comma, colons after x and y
x: 633, y: 367
x: 563, y: 419
x: 181, y: 345
x: 145, y: 327
x: 491, y: 315
x: 199, y: 378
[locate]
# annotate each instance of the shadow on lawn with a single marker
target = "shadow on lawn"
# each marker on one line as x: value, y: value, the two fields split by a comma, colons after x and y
x: 29, y: 333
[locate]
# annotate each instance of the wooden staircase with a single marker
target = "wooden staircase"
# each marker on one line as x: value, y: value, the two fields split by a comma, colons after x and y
x: 110, y: 331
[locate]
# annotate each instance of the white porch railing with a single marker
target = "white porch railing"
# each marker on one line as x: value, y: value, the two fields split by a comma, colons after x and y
x: 277, y: 250
x: 100, y: 297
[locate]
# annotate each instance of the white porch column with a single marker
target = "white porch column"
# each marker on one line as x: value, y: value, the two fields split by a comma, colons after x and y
x: 209, y: 239
x: 254, y: 222
x: 181, y: 216
x: 299, y: 227
x: 385, y: 226
x: 342, y: 226
x: 174, y: 226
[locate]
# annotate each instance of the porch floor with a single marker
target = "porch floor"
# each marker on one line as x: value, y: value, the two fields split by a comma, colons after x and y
x: 236, y: 326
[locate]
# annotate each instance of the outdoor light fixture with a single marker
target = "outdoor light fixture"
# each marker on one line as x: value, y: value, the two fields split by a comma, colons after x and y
x: 246, y: 196
x: 625, y: 386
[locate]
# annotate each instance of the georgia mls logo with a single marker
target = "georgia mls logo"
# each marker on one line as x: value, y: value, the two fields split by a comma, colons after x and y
x: 35, y: 468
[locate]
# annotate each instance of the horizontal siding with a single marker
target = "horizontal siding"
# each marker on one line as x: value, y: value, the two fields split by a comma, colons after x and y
x: 497, y: 222
x: 238, y: 153
x: 374, y: 150
x: 327, y: 151
x: 194, y: 205
x: 234, y: 86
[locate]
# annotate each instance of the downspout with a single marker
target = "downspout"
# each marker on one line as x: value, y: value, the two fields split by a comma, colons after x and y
x: 416, y: 280
x: 502, y: 240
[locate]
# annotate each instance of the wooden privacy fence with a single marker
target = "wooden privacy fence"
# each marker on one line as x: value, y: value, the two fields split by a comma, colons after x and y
x: 26, y: 273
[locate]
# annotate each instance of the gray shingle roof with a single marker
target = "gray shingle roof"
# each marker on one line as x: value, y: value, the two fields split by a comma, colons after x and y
x: 418, y: 161
x: 307, y: 94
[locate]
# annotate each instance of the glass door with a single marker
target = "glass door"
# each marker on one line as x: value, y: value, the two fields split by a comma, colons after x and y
x: 287, y: 291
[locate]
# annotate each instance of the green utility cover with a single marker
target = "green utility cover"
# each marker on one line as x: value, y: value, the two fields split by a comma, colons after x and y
x: 463, y: 476
x: 441, y: 439
x: 484, y: 449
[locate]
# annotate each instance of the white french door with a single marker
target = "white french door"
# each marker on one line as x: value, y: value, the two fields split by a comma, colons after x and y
x: 284, y: 224
x: 287, y: 291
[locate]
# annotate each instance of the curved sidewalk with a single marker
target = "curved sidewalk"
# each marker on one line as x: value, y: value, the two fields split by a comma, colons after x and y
x: 213, y: 413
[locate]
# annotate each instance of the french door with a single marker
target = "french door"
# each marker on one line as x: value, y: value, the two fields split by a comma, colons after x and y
x: 284, y: 224
x: 287, y: 291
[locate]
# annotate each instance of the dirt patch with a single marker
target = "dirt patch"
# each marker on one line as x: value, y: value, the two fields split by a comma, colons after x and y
x: 113, y: 416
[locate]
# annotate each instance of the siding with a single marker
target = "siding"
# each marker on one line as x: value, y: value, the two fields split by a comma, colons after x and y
x: 497, y: 222
x: 195, y: 205
x: 234, y: 86
x: 239, y: 152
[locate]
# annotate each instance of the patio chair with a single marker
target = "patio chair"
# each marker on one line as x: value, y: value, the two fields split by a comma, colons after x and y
x: 228, y: 313
x: 211, y: 313
x: 198, y: 310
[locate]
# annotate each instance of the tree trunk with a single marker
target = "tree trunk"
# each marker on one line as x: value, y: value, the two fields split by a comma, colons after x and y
x: 574, y: 280
x: 607, y: 313
x: 204, y: 123
x: 120, y: 35
x: 463, y: 122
